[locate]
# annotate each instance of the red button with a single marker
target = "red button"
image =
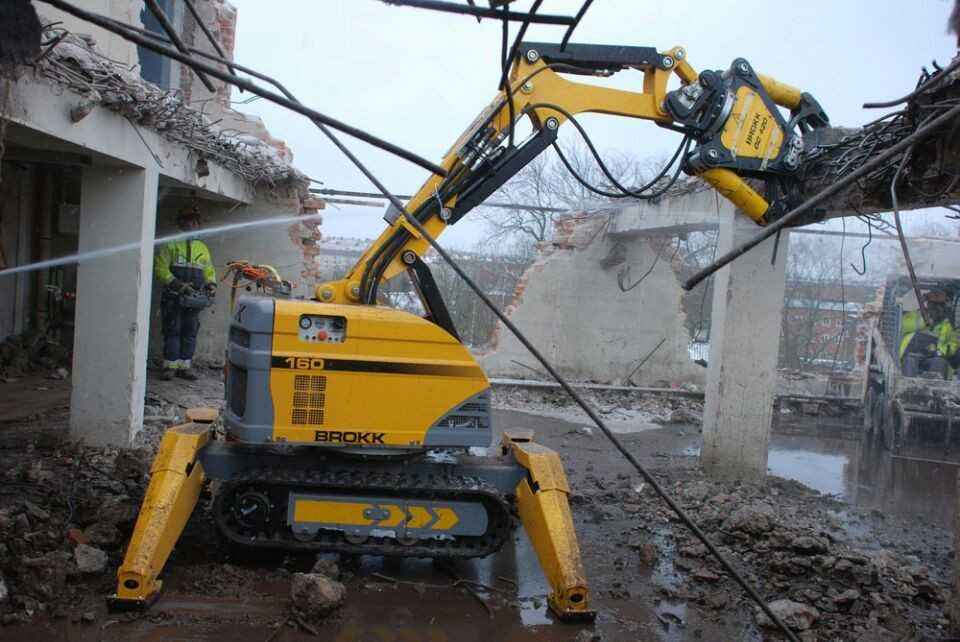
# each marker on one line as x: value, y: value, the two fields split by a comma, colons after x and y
x: 322, y: 335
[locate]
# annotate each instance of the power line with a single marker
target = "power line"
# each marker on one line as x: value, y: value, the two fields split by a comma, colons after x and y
x: 481, y: 12
x: 496, y: 204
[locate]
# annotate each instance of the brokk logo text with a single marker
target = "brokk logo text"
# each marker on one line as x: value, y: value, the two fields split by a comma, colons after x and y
x: 758, y: 126
x: 348, y: 437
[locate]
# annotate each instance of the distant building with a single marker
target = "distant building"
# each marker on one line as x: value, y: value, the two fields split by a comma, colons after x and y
x: 820, y: 324
x: 337, y: 254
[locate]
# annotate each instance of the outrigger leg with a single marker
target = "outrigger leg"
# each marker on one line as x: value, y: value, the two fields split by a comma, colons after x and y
x: 175, y: 483
x: 545, y: 514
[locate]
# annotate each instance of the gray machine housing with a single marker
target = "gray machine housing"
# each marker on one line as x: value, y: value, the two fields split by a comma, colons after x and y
x: 249, y: 414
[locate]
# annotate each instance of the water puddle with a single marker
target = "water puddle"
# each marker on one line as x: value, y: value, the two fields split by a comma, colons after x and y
x: 865, y: 475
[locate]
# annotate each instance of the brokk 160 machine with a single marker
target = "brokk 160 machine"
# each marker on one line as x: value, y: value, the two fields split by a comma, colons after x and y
x: 348, y: 423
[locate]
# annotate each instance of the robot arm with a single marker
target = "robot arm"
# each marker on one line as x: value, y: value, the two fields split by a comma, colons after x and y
x: 731, y: 115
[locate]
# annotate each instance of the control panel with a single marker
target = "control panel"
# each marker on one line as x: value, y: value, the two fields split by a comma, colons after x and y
x: 322, y: 329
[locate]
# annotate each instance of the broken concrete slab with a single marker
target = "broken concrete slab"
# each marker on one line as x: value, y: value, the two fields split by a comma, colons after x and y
x: 89, y: 559
x: 796, y: 615
x: 315, y: 596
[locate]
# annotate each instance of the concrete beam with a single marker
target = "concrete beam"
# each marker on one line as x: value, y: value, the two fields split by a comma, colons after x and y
x: 693, y: 211
x: 119, y: 205
x: 744, y: 343
x: 41, y: 118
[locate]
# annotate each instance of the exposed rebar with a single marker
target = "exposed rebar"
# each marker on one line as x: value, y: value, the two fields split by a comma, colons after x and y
x: 821, y: 196
x: 196, y: 65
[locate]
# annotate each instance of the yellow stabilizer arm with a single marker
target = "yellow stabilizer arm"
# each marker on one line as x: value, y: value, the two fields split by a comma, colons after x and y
x: 175, y: 482
x: 545, y: 514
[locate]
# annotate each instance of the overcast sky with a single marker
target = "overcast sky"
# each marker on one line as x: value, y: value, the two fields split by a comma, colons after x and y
x: 418, y: 78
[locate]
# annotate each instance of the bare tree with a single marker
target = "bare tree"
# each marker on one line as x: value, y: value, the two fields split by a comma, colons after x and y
x: 814, y: 318
x: 497, y: 272
x: 546, y: 184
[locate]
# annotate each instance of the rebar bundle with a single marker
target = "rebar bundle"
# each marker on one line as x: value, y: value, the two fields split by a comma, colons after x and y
x: 72, y: 62
x: 930, y: 175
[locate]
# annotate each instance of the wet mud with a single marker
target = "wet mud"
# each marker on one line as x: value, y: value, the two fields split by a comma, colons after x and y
x: 637, y: 559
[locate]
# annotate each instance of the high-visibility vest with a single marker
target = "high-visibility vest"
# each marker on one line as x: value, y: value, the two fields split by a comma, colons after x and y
x: 912, y: 323
x: 187, y: 260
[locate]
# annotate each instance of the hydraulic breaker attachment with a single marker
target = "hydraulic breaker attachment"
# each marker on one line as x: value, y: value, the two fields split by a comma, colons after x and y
x: 545, y: 514
x: 175, y: 482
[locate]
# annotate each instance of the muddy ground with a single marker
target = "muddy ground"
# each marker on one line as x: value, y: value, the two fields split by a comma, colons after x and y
x: 866, y: 560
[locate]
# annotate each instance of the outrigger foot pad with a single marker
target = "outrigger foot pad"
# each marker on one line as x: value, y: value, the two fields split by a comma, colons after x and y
x: 119, y: 604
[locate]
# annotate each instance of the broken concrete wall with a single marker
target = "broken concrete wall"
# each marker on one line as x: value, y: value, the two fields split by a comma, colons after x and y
x: 220, y: 17
x: 281, y: 246
x: 571, y: 307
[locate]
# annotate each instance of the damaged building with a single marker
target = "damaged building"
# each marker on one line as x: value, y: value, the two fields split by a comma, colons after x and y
x: 103, y: 144
x: 645, y: 424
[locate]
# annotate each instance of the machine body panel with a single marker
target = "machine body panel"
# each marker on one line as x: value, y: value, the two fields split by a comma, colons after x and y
x: 372, y: 376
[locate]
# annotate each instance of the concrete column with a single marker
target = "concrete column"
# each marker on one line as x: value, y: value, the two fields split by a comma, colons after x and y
x: 119, y: 206
x: 744, y: 342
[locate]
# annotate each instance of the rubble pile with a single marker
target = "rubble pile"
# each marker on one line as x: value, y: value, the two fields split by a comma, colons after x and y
x: 31, y: 352
x: 612, y: 405
x: 64, y: 514
x: 789, y: 541
x: 74, y: 61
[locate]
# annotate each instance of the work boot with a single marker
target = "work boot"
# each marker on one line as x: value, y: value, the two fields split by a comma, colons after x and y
x: 187, y: 373
x: 167, y: 374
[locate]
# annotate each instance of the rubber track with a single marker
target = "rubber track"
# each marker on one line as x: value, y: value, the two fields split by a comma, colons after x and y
x: 279, y: 483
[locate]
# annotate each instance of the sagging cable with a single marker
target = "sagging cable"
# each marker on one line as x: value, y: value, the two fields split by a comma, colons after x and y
x: 482, y: 12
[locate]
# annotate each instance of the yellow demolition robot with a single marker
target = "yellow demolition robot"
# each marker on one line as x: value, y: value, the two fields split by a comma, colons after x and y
x: 349, y: 425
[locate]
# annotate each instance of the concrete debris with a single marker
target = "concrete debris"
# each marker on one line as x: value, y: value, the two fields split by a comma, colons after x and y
x: 131, y: 464
x: 754, y: 519
x: 624, y: 412
x: 326, y: 567
x: 315, y: 596
x: 35, y: 511
x: 102, y: 534
x: 793, y: 538
x: 809, y: 545
x: 32, y: 351
x: 90, y: 559
x: 77, y: 64
x: 118, y: 511
x: 797, y: 616
x: 61, y: 533
x: 588, y: 636
x: 60, y: 374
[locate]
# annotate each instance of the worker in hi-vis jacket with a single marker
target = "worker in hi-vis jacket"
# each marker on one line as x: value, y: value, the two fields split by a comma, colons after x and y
x: 185, y: 270
x: 940, y: 340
